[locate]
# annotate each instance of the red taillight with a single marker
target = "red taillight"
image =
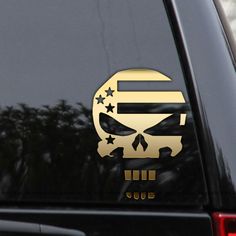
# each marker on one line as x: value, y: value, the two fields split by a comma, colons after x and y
x: 224, y: 224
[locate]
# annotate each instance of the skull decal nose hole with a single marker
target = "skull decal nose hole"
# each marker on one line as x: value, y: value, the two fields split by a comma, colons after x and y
x: 139, y: 139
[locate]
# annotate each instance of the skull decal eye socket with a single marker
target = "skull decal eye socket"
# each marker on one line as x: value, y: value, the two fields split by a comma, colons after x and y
x: 163, y: 128
x: 112, y: 126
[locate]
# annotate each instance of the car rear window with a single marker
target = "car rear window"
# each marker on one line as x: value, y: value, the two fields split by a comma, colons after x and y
x: 94, y: 106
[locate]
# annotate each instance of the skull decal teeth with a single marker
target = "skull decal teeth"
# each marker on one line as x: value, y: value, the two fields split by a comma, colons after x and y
x: 134, y: 132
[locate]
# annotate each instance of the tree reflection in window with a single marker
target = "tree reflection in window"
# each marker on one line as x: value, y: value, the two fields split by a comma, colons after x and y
x: 50, y: 153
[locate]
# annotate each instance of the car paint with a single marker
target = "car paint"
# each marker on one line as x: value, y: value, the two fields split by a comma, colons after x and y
x: 210, y: 71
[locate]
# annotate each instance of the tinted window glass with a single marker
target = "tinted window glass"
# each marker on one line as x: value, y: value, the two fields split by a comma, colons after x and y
x: 55, y: 58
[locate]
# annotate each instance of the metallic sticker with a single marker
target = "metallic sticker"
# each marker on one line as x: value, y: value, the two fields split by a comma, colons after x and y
x: 131, y: 132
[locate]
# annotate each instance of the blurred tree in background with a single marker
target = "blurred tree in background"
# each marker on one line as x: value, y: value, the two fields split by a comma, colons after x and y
x: 47, y: 150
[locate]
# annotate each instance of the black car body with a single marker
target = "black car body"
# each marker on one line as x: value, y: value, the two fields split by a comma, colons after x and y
x: 206, y: 59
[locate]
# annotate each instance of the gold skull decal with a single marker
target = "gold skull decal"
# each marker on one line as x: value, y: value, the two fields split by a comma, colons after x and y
x: 118, y: 129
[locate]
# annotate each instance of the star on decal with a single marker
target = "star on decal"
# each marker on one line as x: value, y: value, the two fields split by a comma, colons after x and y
x: 109, y: 107
x: 110, y: 140
x: 100, y: 99
x: 109, y: 92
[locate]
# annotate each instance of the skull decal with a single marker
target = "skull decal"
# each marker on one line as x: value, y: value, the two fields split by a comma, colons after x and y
x: 119, y: 127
